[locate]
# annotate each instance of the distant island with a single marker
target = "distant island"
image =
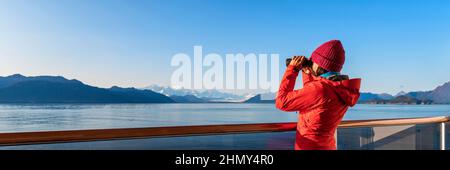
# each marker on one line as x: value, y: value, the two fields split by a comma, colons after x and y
x: 56, y: 89
x: 258, y: 99
x: 440, y: 95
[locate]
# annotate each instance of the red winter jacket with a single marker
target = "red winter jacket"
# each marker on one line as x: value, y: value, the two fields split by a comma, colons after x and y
x: 321, y: 104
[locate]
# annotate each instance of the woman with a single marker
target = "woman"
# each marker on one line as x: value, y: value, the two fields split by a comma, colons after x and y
x: 324, y: 98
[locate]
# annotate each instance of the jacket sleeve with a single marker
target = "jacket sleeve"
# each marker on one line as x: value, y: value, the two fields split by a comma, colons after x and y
x: 288, y: 99
x: 306, y: 78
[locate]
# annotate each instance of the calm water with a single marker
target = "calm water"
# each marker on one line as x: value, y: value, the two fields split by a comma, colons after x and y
x: 14, y: 118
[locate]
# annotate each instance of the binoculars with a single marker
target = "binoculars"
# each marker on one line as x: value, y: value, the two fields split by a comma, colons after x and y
x: 306, y: 63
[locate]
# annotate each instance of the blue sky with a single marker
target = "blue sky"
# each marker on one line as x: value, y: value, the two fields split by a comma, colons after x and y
x: 391, y: 45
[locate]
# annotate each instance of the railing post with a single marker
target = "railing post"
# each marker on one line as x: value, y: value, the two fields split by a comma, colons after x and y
x: 442, y: 136
x: 335, y: 138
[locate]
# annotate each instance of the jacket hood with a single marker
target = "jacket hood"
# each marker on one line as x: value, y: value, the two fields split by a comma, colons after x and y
x: 347, y: 90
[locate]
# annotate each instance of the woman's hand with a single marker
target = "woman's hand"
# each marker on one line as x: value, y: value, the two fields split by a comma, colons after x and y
x: 297, y: 62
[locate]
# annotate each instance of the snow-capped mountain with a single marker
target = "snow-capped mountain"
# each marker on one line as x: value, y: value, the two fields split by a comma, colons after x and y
x: 401, y: 93
x: 209, y: 95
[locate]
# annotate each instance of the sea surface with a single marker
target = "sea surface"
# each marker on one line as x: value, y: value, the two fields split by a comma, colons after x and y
x: 44, y: 117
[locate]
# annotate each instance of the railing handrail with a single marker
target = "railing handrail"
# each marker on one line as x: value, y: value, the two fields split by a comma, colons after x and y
x: 393, y: 122
x: 38, y: 137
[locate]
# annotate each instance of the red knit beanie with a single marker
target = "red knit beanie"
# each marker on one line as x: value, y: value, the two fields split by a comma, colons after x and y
x: 330, y: 56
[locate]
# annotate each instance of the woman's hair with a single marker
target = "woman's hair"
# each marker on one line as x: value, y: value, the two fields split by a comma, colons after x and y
x: 320, y: 71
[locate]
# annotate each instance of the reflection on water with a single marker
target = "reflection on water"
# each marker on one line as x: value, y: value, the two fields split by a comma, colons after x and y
x: 35, y: 117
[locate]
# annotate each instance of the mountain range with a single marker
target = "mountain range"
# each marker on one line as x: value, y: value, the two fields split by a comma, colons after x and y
x: 440, y: 95
x: 57, y: 89
x: 197, y: 95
